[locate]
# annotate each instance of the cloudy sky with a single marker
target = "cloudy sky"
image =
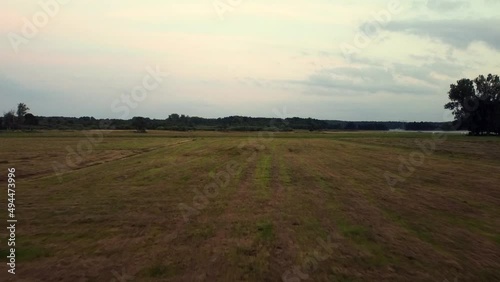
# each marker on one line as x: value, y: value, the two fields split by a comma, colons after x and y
x: 327, y: 59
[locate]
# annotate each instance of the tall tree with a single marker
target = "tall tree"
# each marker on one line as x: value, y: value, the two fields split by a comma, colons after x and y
x: 489, y: 91
x: 476, y: 104
x: 22, y: 109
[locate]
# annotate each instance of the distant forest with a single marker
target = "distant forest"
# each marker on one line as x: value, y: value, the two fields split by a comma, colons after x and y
x: 474, y: 103
x: 184, y: 123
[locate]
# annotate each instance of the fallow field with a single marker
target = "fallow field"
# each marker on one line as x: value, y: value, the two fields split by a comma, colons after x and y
x: 212, y: 206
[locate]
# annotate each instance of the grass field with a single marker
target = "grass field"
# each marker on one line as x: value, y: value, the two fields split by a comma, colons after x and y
x: 209, y: 206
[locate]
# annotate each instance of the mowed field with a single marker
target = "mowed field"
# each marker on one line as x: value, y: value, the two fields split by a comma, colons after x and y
x: 210, y: 206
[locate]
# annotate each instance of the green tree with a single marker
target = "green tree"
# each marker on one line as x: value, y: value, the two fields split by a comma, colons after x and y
x: 173, y: 117
x: 9, y: 120
x: 476, y: 104
x: 22, y: 109
x: 30, y: 119
x: 139, y: 123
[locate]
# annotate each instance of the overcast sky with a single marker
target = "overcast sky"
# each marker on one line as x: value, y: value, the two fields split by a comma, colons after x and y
x: 327, y: 59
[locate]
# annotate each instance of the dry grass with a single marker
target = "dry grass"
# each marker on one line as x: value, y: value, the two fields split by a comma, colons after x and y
x: 117, y: 213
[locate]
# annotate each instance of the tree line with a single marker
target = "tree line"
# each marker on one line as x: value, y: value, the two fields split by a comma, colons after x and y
x: 22, y: 120
x: 475, y: 105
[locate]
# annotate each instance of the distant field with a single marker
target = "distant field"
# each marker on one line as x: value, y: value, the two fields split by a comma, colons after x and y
x: 211, y: 206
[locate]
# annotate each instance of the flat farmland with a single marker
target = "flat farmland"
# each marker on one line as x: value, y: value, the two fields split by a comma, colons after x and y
x: 212, y: 206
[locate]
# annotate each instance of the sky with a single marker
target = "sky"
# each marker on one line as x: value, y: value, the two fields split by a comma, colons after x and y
x: 327, y: 59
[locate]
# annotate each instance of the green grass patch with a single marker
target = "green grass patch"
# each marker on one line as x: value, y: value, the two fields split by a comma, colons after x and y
x: 364, y: 239
x: 263, y: 177
x: 265, y: 230
x: 284, y: 173
x: 160, y: 271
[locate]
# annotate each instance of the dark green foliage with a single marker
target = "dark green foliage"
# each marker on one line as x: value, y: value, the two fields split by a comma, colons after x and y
x: 421, y: 126
x: 9, y: 120
x: 30, y: 119
x: 140, y: 124
x: 476, y: 104
x: 22, y: 110
x: 186, y: 123
x: 232, y: 123
x: 351, y: 126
